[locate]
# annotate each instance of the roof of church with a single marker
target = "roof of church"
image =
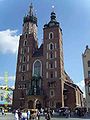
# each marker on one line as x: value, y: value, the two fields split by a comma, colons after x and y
x: 73, y: 85
x: 38, y: 52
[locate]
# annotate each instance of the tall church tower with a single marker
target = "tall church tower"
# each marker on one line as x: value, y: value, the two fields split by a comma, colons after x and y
x: 53, y: 62
x: 27, y: 46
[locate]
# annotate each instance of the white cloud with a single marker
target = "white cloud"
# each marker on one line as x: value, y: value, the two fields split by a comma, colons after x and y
x: 81, y: 85
x: 9, y: 41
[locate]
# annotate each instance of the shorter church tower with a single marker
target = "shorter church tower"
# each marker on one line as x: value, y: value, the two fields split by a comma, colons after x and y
x: 54, y: 63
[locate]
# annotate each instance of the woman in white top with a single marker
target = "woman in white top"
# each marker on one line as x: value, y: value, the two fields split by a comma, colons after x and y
x: 16, y: 115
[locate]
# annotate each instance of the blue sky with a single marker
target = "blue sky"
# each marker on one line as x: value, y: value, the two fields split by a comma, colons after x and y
x: 74, y: 18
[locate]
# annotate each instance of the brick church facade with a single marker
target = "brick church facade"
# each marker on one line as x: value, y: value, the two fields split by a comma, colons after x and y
x: 41, y: 80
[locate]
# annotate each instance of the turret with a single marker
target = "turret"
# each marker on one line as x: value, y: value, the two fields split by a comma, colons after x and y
x: 53, y: 21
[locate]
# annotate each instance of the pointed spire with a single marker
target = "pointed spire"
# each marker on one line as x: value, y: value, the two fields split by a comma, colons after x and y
x: 31, y: 17
x: 31, y: 11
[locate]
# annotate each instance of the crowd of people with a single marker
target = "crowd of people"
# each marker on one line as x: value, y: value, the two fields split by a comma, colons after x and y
x: 22, y: 115
x: 33, y: 114
x: 76, y: 112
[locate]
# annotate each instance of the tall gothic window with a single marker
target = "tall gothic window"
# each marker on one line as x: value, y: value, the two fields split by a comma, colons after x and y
x: 25, y: 43
x: 51, y: 46
x: 22, y: 78
x: 51, y: 65
x: 24, y: 51
x: 23, y: 59
x: 37, y: 68
x: 51, y: 56
x: 23, y: 68
x: 51, y: 75
x: 51, y: 35
x: 89, y: 63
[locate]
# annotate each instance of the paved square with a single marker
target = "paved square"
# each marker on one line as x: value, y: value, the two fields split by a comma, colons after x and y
x: 10, y: 116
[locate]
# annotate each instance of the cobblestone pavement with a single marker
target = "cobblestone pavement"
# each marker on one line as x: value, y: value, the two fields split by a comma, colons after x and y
x: 10, y: 116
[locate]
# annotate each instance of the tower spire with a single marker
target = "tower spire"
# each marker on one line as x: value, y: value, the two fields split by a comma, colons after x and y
x: 31, y: 17
x: 31, y: 12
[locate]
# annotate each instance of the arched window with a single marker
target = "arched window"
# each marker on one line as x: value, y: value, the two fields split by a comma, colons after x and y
x: 24, y: 51
x: 51, y: 46
x: 22, y: 78
x: 37, y: 68
x: 51, y: 35
x: 89, y: 63
x: 51, y: 74
x: 23, y: 68
x: 23, y: 59
x: 25, y: 43
x: 51, y: 65
x: 26, y: 35
x: 51, y: 55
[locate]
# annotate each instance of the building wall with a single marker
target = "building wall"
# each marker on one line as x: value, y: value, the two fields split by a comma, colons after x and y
x: 79, y: 97
x: 86, y: 68
x: 69, y: 96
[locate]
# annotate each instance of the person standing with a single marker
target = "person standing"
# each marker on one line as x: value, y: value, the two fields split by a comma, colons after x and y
x: 38, y: 115
x: 2, y: 111
x: 16, y: 115
x: 19, y: 114
x: 28, y: 114
x: 47, y: 116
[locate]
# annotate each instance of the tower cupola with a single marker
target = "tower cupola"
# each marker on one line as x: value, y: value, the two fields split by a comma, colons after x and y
x: 53, y: 16
x: 53, y: 22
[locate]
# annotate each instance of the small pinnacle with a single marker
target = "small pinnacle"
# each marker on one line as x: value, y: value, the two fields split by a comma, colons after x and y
x: 53, y: 7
